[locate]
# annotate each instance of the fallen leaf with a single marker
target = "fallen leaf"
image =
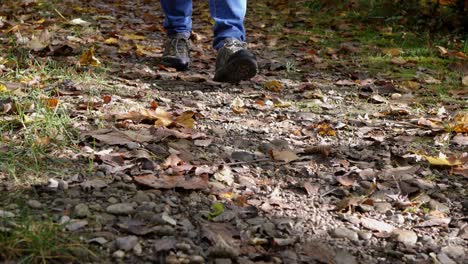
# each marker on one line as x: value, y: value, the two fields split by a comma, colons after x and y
x: 216, y: 209
x: 398, y: 61
x: 79, y: 22
x: 443, y: 160
x: 88, y: 59
x: 274, y: 86
x: 345, y: 83
x: 346, y: 180
x: 392, y: 51
x: 170, y: 182
x: 225, y: 175
x: 284, y: 155
x: 460, y: 123
x: 107, y: 99
x: 50, y: 102
x: 465, y: 80
x: 172, y: 161
x: 237, y: 106
x: 186, y: 119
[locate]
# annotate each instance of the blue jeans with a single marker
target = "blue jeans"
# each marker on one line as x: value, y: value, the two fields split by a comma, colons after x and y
x: 228, y: 16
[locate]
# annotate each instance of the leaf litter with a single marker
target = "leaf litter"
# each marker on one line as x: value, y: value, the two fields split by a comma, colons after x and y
x: 186, y: 152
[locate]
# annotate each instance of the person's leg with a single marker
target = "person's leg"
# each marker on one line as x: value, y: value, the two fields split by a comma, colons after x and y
x: 229, y: 20
x: 178, y: 24
x: 178, y: 16
x: 234, y: 63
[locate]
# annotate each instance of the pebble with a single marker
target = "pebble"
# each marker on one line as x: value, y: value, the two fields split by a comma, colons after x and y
x: 343, y: 232
x: 454, y: 251
x: 376, y: 225
x: 62, y: 185
x: 397, y: 218
x: 6, y: 214
x: 126, y: 243
x: 196, y: 259
x: 113, y: 200
x: 81, y: 210
x: 364, y: 235
x: 407, y: 237
x: 35, y: 204
x: 74, y: 225
x: 172, y: 259
x: 444, y: 259
x: 138, y: 249
x: 64, y: 219
x: 141, y: 197
x: 118, y: 254
x: 383, y: 207
x: 396, y: 96
x: 120, y: 209
x: 437, y: 206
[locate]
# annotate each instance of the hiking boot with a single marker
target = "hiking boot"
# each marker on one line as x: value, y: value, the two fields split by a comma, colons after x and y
x: 234, y: 62
x: 176, y: 52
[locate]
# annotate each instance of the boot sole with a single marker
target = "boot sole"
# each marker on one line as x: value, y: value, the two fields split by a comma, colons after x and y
x: 174, y: 63
x: 240, y: 68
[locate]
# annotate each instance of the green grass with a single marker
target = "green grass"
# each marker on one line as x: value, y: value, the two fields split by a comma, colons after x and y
x: 35, y: 134
x: 33, y: 238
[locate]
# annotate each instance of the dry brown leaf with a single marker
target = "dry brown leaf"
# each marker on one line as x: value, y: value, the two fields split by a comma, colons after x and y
x: 284, y: 155
x: 346, y: 180
x: 274, y: 86
x: 88, y: 59
x: 172, y: 161
x: 238, y: 105
x: 170, y: 182
x: 398, y: 61
x: 186, y: 119
x: 443, y: 160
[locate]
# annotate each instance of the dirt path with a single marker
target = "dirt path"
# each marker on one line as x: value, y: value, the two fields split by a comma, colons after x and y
x: 314, y: 161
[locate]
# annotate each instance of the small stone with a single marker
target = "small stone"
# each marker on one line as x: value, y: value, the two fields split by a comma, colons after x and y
x: 98, y: 240
x: 138, y: 249
x: 223, y: 261
x: 53, y: 183
x: 396, y: 96
x: 6, y: 214
x: 81, y: 211
x: 196, y: 259
x: 141, y: 197
x: 62, y: 185
x: 126, y: 243
x: 120, y: 209
x: 34, y: 204
x: 100, y: 174
x: 454, y: 251
x: 74, y: 225
x: 443, y: 258
x: 364, y: 235
x: 343, y: 232
x: 407, y: 237
x: 376, y: 225
x: 383, y: 207
x: 397, y: 218
x: 64, y: 219
x: 119, y: 254
x: 132, y: 145
x: 172, y: 259
x: 437, y: 206
x: 112, y: 200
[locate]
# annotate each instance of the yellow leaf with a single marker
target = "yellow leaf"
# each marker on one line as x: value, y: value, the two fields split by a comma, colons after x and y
x: 274, y: 86
x: 165, y: 119
x: 3, y: 88
x: 442, y: 160
x: 111, y: 41
x: 134, y: 37
x: 392, y: 52
x: 461, y: 123
x: 186, y: 119
x: 88, y: 58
